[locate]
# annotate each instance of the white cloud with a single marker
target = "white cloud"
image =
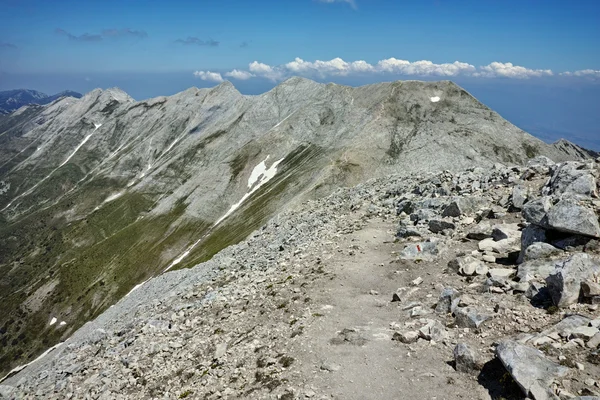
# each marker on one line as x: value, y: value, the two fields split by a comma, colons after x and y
x: 209, y: 76
x: 424, y: 68
x: 351, y: 2
x: 265, y: 71
x: 584, y: 73
x: 337, y: 66
x: 508, y: 70
x: 240, y: 75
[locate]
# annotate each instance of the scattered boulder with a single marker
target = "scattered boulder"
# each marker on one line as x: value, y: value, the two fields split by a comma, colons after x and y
x: 590, y: 288
x: 406, y: 231
x: 505, y: 231
x: 349, y: 336
x: 572, y: 178
x: 466, y: 358
x: 330, y: 367
x: 501, y: 272
x: 439, y: 225
x: 463, y: 206
x: 433, y: 331
x: 538, y: 161
x: 535, y: 269
x: 540, y: 250
x: 448, y: 301
x: 519, y: 196
x: 482, y: 230
x: 406, y: 337
x: 470, y: 317
x: 568, y: 215
x: 535, y: 211
x: 468, y: 266
x: 500, y: 246
x: 530, y: 235
x: 530, y: 369
x: 220, y: 350
x: 560, y: 329
x: 564, y: 284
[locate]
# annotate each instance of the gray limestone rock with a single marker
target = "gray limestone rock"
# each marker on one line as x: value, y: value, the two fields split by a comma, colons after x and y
x: 535, y: 269
x: 539, y: 250
x: 463, y: 206
x: 568, y: 215
x: 573, y: 177
x: 482, y: 230
x: 590, y: 288
x: 406, y: 337
x: 505, y: 231
x: 519, y: 196
x: 530, y: 369
x: 466, y: 358
x: 470, y: 317
x: 448, y: 301
x: 7, y: 392
x: 433, y: 331
x: 540, y: 161
x: 406, y: 231
x: 561, y: 329
x: 531, y: 234
x: 535, y: 210
x: 438, y: 225
x: 564, y: 284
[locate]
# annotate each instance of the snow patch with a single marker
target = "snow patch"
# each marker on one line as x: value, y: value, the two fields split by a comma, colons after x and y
x: 53, y: 321
x: 113, y: 197
x: 435, y: 99
x: 84, y: 141
x: 22, y: 367
x: 136, y: 287
x: 258, y: 177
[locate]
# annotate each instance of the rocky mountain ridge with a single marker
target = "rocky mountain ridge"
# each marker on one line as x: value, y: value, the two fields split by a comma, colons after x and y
x: 403, y: 284
x: 99, y: 194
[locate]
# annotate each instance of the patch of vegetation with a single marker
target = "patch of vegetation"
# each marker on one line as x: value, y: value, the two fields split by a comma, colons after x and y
x: 258, y: 208
x: 95, y: 260
x: 530, y: 150
x: 552, y: 310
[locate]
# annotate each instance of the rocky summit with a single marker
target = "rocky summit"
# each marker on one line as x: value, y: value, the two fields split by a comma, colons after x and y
x: 394, y: 240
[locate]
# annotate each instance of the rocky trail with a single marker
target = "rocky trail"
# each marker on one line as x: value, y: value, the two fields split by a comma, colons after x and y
x: 483, y: 284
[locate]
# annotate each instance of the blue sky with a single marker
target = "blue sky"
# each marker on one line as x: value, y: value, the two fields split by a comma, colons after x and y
x: 151, y: 48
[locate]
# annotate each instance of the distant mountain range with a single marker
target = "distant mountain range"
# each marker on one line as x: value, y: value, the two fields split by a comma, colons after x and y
x: 12, y: 100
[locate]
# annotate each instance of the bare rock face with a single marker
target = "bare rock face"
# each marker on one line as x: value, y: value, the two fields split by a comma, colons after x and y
x: 573, y: 179
x: 570, y: 216
x: 565, y: 283
x: 466, y: 358
x: 532, y: 371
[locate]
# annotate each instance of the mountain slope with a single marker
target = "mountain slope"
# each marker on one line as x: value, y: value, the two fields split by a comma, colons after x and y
x: 99, y: 194
x: 12, y: 100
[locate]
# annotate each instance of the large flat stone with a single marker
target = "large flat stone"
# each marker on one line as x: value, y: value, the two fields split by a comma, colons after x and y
x: 530, y: 369
x: 568, y: 215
